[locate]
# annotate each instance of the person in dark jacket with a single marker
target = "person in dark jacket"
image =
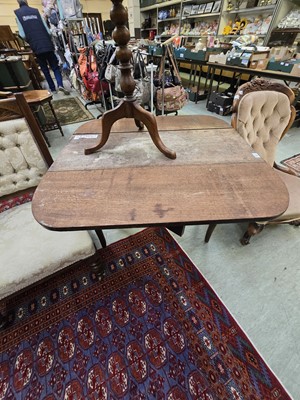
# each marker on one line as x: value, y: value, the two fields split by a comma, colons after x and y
x: 34, y: 30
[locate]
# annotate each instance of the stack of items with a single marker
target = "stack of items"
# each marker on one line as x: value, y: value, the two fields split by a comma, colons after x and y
x: 284, y: 59
x: 220, y: 103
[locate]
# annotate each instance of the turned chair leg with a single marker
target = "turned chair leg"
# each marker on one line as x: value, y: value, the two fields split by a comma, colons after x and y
x: 210, y: 229
x: 101, y: 237
x: 253, y: 229
x: 295, y: 223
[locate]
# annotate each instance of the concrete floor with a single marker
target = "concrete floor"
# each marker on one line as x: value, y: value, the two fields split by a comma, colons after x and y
x: 259, y: 283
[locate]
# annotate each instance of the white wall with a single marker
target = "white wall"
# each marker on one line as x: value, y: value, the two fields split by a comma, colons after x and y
x: 7, y: 7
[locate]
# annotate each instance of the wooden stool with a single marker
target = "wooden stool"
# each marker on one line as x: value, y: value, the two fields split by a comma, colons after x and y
x: 37, y: 98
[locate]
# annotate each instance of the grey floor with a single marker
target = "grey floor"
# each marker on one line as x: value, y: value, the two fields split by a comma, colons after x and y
x: 259, y: 283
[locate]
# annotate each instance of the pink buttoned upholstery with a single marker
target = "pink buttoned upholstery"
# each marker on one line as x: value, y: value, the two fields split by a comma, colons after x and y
x: 261, y: 119
x: 262, y: 114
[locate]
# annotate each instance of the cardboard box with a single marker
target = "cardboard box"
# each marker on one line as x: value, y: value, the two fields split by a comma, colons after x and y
x: 253, y: 64
x: 262, y: 64
x: 259, y: 64
x: 280, y: 53
x: 194, y: 96
x: 217, y: 58
x: 259, y: 55
x: 296, y: 70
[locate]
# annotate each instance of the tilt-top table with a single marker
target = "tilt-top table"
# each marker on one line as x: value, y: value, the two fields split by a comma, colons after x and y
x: 216, y: 177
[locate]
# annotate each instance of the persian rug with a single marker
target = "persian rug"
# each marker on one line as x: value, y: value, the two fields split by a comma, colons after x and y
x: 150, y: 327
x: 69, y: 110
x: 293, y: 163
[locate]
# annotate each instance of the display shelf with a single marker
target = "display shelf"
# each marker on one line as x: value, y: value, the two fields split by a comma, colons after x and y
x: 275, y: 11
x: 165, y: 4
x: 235, y: 36
x: 253, y: 10
x: 168, y: 19
x: 201, y: 16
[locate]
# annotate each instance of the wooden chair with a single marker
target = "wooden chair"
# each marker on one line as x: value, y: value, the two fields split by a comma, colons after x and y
x: 28, y: 252
x: 36, y: 100
x: 12, y: 44
x: 262, y: 114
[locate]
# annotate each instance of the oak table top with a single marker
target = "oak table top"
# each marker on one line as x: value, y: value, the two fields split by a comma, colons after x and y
x: 216, y: 177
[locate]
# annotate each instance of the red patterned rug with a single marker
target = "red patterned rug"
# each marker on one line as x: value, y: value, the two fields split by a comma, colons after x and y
x: 151, y: 328
x: 293, y: 163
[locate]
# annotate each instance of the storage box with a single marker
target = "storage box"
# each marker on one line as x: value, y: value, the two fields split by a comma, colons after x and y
x: 157, y: 51
x: 194, y: 96
x: 221, y: 99
x: 240, y: 59
x: 280, y: 53
x: 296, y: 70
x: 180, y: 53
x: 282, y: 66
x: 218, y: 109
x: 192, y: 55
x: 217, y: 58
x: 253, y: 64
x: 259, y: 55
x: 262, y: 64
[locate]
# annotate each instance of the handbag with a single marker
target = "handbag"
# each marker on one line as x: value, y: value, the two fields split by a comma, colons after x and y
x: 107, y: 56
x: 92, y: 82
x: 142, y: 91
x: 111, y: 69
x: 82, y: 61
x: 139, y: 68
x: 91, y: 76
x: 174, y: 96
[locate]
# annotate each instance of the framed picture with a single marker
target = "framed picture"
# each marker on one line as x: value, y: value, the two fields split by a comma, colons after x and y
x: 217, y: 6
x: 195, y: 9
x: 208, y: 7
x: 201, y: 8
x: 186, y: 11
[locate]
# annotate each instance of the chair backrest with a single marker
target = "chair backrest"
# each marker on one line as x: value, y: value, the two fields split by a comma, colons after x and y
x: 262, y: 114
x: 24, y: 155
x: 7, y: 38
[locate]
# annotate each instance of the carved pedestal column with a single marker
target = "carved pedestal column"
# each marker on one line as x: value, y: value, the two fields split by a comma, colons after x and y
x: 128, y: 107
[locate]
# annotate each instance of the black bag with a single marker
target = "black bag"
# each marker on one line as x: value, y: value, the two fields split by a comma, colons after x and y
x: 171, y: 77
x: 139, y: 68
x: 109, y: 51
x: 147, y: 23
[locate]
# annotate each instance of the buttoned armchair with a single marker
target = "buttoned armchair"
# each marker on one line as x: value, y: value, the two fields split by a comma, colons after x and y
x: 262, y: 114
x: 28, y: 252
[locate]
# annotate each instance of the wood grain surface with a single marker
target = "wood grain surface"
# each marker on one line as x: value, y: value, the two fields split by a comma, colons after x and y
x: 215, y: 178
x: 182, y: 122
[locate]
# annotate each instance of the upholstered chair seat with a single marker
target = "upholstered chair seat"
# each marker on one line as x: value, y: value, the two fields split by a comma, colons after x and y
x: 292, y: 213
x: 28, y: 251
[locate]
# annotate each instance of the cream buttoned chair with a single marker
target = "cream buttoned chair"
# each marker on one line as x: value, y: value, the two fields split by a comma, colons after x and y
x: 28, y: 252
x: 262, y: 114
